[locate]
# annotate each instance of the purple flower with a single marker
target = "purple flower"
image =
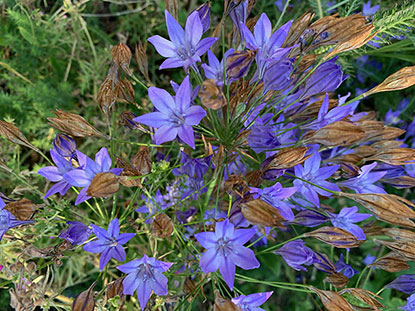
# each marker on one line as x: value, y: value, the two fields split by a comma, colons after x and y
x: 77, y: 233
x: 346, y: 219
x: 393, y: 117
x: 239, y: 15
x: 296, y: 254
x: 313, y: 173
x: 185, y: 47
x: 56, y: 174
x: 192, y: 167
x: 145, y: 276
x: 344, y: 268
x: 64, y: 145
x: 225, y: 250
x: 364, y: 182
x: 8, y: 221
x: 251, y: 302
x: 267, y: 44
x: 155, y: 204
x: 175, y: 117
x: 215, y: 68
x: 410, y: 303
x: 88, y: 169
x: 368, y: 260
x: 404, y: 283
x: 326, y: 78
x: 326, y: 117
x: 368, y: 9
x: 204, y: 15
x: 275, y: 196
x: 309, y: 218
x: 277, y: 77
x: 109, y: 243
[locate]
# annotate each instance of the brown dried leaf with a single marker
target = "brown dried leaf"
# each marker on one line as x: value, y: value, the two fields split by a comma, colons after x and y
x: 332, y: 301
x: 13, y: 134
x: 22, y: 209
x: 85, y: 300
x: 365, y: 296
x: 392, y: 262
x: 399, y: 80
x: 142, y: 160
x: 337, y: 280
x: 162, y: 226
x: 74, y: 125
x: 222, y: 304
x: 390, y: 208
x: 335, y: 236
x: 211, y: 95
x: 258, y: 212
x: 103, y: 185
x: 394, y: 156
x: 340, y: 133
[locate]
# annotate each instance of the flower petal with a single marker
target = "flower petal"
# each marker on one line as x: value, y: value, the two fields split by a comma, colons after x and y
x: 103, y: 159
x: 130, y: 283
x: 193, y: 115
x: 176, y: 32
x: 96, y: 246
x: 227, y: 270
x: 244, y: 257
x: 206, y: 239
x: 143, y: 294
x: 51, y: 173
x: 165, y: 133
x: 104, y: 258
x: 153, y: 119
x: 124, y: 238
x: 210, y: 261
x: 183, y: 95
x: 163, y: 46
x: 161, y: 99
x: 186, y: 134
x: 193, y: 29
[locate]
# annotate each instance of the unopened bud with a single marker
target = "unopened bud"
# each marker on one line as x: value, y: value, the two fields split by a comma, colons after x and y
x: 64, y: 145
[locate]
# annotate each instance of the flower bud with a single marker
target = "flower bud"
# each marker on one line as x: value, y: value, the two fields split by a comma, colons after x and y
x: 64, y: 145
x: 204, y: 15
x: 296, y: 254
x: 238, y: 63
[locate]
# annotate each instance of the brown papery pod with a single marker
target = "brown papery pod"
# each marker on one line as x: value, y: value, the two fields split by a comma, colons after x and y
x: 103, y: 185
x: 332, y: 301
x: 392, y: 262
x: 394, y: 156
x: 142, y: 60
x: 399, y: 80
x: 365, y: 296
x: 211, y: 95
x: 258, y: 212
x: 13, y: 134
x: 297, y: 28
x: 106, y: 96
x: 254, y: 178
x: 386, y: 144
x: 404, y: 248
x: 235, y: 185
x: 222, y: 304
x: 335, y: 236
x: 121, y: 55
x: 162, y: 226
x: 338, y: 280
x: 115, y: 288
x: 85, y: 300
x: 286, y: 158
x: 400, y: 182
x: 399, y: 234
x: 387, y: 132
x: 360, y: 37
x: 390, y: 208
x: 22, y: 209
x: 128, y: 171
x: 142, y: 160
x: 74, y: 125
x: 324, y: 263
x: 125, y: 91
x: 340, y: 133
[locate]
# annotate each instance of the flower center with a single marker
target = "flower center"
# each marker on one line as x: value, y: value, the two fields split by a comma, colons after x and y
x: 177, y: 118
x: 185, y: 52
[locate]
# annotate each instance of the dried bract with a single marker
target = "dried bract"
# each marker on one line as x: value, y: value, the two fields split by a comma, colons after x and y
x: 13, y: 134
x: 335, y: 236
x: 74, y: 125
x: 103, y: 185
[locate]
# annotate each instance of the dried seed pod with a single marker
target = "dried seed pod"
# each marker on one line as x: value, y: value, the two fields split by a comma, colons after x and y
x: 324, y: 264
x: 128, y: 171
x: 399, y: 234
x: 103, y: 185
x: 85, y: 300
x: 142, y: 160
x: 297, y: 29
x: 338, y: 280
x: 238, y: 63
x: 125, y: 91
x: 335, y: 236
x: 404, y: 248
x: 22, y: 209
x: 258, y: 212
x: 173, y: 7
x: 394, y: 156
x: 121, y: 55
x: 142, y: 60
x: 13, y: 134
x: 106, y: 96
x: 211, y: 95
x: 285, y: 158
x: 340, y: 133
x: 399, y: 80
x: 222, y: 304
x: 390, y: 208
x: 332, y: 301
x: 74, y: 125
x: 392, y: 262
x: 365, y: 296
x: 115, y: 288
x: 162, y: 226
